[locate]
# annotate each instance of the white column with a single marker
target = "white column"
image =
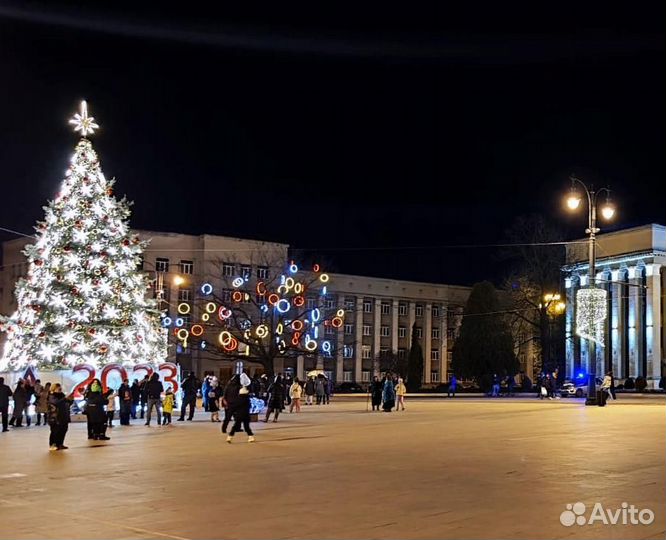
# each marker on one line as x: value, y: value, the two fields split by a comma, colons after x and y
x: 394, y: 327
x: 614, y: 322
x: 300, y: 367
x: 569, y: 327
x: 376, y: 336
x: 634, y: 322
x: 653, y: 323
x: 443, y: 349
x: 358, y: 340
x: 411, y: 318
x: 427, y: 334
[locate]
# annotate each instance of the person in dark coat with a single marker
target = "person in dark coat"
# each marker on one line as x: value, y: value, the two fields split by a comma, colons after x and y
x: 126, y: 402
x: 214, y: 394
x: 5, y: 394
x: 189, y: 389
x: 143, y: 395
x: 229, y: 398
x: 154, y: 389
x: 136, y: 397
x: 309, y: 390
x: 96, y: 400
x: 376, y: 388
x: 58, y: 416
x: 276, y: 393
x: 241, y: 413
x: 20, y: 402
x: 388, y: 394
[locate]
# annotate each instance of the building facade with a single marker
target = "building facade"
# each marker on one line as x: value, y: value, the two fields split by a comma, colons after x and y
x: 379, y: 313
x: 630, y: 267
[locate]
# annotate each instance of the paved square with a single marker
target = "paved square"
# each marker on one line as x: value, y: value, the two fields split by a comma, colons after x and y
x: 467, y: 468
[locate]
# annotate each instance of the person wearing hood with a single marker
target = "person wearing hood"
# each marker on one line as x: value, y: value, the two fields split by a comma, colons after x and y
x: 241, y: 411
x: 276, y: 392
x: 388, y: 394
x: 154, y: 391
x: 400, y: 391
x: 136, y: 397
x: 42, y: 402
x: 96, y: 400
x: 319, y: 389
x: 214, y: 393
x: 20, y: 400
x: 229, y: 398
x: 309, y: 390
x: 125, y: 398
x: 167, y: 406
x: 295, y: 392
x: 375, y: 389
x: 189, y: 389
x: 205, y: 389
x: 58, y: 418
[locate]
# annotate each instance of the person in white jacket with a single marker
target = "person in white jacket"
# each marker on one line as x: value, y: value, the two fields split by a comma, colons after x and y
x: 295, y: 393
x: 111, y: 409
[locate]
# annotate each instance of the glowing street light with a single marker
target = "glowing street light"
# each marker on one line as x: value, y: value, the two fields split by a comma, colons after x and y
x: 178, y: 281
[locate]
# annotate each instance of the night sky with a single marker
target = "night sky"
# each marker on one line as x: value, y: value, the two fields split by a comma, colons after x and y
x: 342, y: 130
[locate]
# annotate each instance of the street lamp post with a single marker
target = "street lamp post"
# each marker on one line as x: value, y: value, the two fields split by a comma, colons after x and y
x: 607, y: 211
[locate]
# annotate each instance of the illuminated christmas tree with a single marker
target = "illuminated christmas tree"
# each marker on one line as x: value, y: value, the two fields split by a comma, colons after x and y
x: 84, y: 299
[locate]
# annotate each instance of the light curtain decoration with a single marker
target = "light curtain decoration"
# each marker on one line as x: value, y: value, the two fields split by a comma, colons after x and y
x: 591, y: 306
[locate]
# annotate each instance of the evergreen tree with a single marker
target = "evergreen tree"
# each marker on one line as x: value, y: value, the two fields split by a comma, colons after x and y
x: 484, y: 345
x: 414, y: 364
x: 84, y: 299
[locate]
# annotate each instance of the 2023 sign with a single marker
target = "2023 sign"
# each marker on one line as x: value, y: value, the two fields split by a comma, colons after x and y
x: 83, y: 375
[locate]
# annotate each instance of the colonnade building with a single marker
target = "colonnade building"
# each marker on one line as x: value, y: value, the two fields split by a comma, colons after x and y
x: 630, y: 267
x: 379, y: 313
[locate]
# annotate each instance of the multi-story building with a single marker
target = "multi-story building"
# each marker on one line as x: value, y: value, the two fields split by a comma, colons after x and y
x: 379, y: 313
x: 630, y: 267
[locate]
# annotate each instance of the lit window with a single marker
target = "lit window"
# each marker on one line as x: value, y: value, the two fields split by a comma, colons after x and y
x: 347, y: 376
x: 161, y: 264
x: 419, y: 333
x: 419, y: 310
x: 347, y: 351
x: 402, y: 309
x: 365, y: 352
x: 186, y: 267
x: 366, y: 329
x: 435, y: 333
x: 435, y: 311
x: 228, y: 269
x: 367, y: 306
x: 365, y: 376
x: 386, y: 308
x: 349, y: 304
x: 402, y: 331
x: 385, y: 331
x: 434, y: 376
x: 184, y: 295
x: 434, y: 354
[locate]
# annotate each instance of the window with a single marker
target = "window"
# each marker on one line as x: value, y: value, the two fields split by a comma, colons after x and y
x: 402, y: 309
x: 349, y: 329
x: 347, y: 351
x: 166, y: 292
x: 346, y: 376
x: 228, y: 269
x: 402, y: 353
x: 260, y: 298
x: 184, y: 295
x: 386, y: 308
x: 367, y: 306
x: 419, y: 333
x: 246, y: 272
x: 434, y: 354
x: 402, y: 331
x: 365, y: 352
x: 366, y: 329
x: 365, y: 376
x: 161, y: 264
x: 385, y: 331
x: 330, y: 303
x: 329, y: 329
x: 262, y: 272
x: 186, y: 267
x: 449, y: 360
x: 226, y: 295
x: 383, y: 353
x: 434, y: 376
x: 450, y: 333
x: 349, y: 304
x: 435, y: 311
x: 435, y: 333
x: 450, y: 314
x: 186, y: 320
x: 419, y: 310
x: 311, y: 303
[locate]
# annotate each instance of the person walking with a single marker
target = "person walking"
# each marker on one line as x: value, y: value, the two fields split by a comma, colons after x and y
x: 57, y: 416
x: 229, y: 398
x: 400, y: 392
x: 453, y: 385
x: 5, y: 394
x: 214, y: 394
x: 167, y: 406
x: 309, y: 390
x: 96, y: 400
x: 42, y: 403
x: 110, y: 409
x: 126, y: 403
x: 189, y: 389
x: 388, y: 394
x: 136, y: 397
x: 376, y: 389
x: 319, y: 389
x: 205, y: 389
x: 496, y: 385
x: 20, y: 398
x: 276, y: 392
x: 328, y: 386
x: 143, y: 395
x: 295, y: 393
x: 612, y: 385
x: 288, y: 381
x: 154, y: 391
x: 606, y: 387
x: 241, y: 414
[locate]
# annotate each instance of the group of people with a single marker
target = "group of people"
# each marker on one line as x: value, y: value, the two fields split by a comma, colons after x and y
x: 387, y: 393
x: 24, y: 395
x: 547, y: 385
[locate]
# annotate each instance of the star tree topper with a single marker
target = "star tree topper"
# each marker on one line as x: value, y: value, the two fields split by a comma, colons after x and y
x: 82, y: 122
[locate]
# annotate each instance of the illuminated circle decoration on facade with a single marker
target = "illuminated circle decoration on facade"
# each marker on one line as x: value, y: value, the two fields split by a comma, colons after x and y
x: 223, y: 313
x: 184, y: 308
x: 283, y: 305
x: 211, y: 307
x: 324, y: 278
x: 182, y: 334
x: 206, y: 289
x: 310, y: 344
x: 315, y: 315
x: 197, y: 330
x: 336, y: 322
x: 261, y: 331
x: 316, y: 268
x: 238, y: 282
x: 297, y: 325
x: 326, y: 346
x: 237, y: 296
x: 205, y: 317
x: 179, y: 322
x: 261, y: 288
x: 299, y: 301
x: 293, y: 267
x: 166, y: 322
x: 298, y: 288
x: 340, y: 313
x: 273, y: 299
x: 279, y: 329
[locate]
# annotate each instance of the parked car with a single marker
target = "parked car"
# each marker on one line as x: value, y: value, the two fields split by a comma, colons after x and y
x: 349, y: 388
x: 577, y: 389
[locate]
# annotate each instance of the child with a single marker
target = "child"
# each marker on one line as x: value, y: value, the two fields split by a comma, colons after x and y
x: 111, y: 409
x: 167, y: 406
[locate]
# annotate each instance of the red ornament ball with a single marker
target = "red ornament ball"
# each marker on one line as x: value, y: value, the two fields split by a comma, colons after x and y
x: 91, y: 331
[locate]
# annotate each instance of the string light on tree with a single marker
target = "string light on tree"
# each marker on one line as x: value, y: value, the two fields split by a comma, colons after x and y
x: 83, y: 299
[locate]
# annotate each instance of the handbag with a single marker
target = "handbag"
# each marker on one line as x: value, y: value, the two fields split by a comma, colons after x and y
x: 544, y: 392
